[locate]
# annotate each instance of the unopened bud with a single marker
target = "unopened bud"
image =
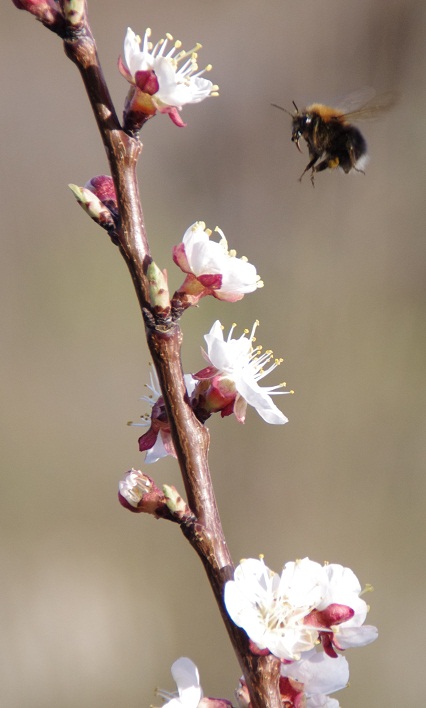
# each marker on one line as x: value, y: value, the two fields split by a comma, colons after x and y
x: 73, y: 11
x: 93, y: 206
x: 173, y: 499
x: 47, y: 11
x: 103, y: 187
x: 33, y: 6
x: 176, y: 504
x: 158, y: 291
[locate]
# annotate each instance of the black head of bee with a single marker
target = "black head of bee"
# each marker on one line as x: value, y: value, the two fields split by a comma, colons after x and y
x: 301, y: 123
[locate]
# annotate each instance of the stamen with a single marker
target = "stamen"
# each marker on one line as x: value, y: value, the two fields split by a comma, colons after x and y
x: 231, y: 330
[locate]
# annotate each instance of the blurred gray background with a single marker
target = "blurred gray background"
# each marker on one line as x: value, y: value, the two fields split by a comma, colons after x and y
x: 96, y: 603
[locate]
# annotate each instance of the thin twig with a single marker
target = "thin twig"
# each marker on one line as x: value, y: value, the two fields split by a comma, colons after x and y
x: 190, y: 437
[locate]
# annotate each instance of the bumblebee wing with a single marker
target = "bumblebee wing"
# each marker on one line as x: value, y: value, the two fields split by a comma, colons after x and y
x: 374, y: 107
x: 355, y: 100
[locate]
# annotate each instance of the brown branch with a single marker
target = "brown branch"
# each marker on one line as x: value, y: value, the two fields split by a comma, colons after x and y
x: 190, y: 437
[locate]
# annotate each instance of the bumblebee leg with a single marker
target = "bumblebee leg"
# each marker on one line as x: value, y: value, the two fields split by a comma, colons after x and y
x: 329, y: 162
x: 310, y: 165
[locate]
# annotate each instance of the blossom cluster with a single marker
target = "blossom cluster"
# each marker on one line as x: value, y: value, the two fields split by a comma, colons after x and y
x: 230, y: 381
x: 303, y: 616
x: 309, y: 613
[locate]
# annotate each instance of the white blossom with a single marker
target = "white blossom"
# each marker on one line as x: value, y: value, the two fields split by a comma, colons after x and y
x: 242, y: 365
x: 271, y: 608
x: 179, y: 80
x: 204, y: 258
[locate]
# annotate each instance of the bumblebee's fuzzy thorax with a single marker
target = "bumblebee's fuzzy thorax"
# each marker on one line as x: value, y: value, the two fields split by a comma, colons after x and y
x: 327, y: 113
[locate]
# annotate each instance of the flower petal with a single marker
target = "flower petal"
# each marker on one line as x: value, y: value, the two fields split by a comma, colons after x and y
x: 187, y: 678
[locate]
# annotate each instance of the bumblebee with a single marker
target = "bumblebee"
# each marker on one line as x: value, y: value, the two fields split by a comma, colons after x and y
x: 330, y: 135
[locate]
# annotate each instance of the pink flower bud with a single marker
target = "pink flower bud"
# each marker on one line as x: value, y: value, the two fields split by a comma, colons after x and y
x: 103, y: 187
x: 45, y: 10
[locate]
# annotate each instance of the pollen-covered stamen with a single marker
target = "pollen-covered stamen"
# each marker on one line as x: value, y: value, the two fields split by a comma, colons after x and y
x: 154, y: 387
x: 280, y: 613
x: 234, y: 324
x: 186, y: 69
x: 257, y: 361
x: 145, y: 421
x: 265, y: 358
x: 191, y: 53
x: 256, y: 324
x: 223, y: 242
x: 159, y: 50
x: 151, y: 399
x: 146, y: 43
